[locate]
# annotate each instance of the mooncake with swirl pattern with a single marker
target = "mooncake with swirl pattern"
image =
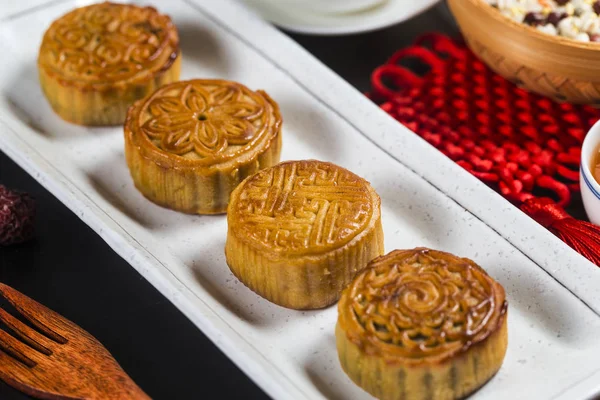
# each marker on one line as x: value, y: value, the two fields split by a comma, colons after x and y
x: 422, y: 324
x: 95, y: 61
x: 300, y: 231
x: 190, y: 143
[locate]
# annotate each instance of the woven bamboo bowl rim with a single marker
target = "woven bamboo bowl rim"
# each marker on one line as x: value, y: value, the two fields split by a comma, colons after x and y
x: 525, y: 45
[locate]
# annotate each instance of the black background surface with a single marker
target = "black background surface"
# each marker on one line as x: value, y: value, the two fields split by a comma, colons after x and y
x: 71, y: 270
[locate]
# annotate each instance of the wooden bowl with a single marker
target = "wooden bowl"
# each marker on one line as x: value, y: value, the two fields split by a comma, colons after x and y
x: 563, y: 69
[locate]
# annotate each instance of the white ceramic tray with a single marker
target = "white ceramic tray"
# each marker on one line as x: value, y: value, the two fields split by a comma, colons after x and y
x: 554, y: 301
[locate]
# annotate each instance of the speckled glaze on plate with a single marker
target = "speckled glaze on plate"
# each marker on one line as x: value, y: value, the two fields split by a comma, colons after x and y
x: 426, y: 201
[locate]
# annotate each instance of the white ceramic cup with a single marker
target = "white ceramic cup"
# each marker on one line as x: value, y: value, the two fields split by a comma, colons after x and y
x: 329, y: 6
x: 590, y: 189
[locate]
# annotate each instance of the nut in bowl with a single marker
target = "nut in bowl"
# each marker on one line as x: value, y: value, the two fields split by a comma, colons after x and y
x: 589, y: 174
x: 555, y: 66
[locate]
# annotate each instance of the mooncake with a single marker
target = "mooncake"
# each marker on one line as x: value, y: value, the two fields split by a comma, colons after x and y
x: 300, y: 231
x: 190, y: 143
x: 95, y: 61
x: 422, y: 324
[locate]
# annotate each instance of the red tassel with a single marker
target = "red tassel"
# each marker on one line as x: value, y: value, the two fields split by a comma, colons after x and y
x: 582, y: 236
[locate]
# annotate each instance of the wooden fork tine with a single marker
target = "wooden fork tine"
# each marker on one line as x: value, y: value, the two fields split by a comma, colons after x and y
x: 30, y: 336
x: 46, y: 320
x: 18, y: 375
x: 18, y: 349
x: 10, y: 368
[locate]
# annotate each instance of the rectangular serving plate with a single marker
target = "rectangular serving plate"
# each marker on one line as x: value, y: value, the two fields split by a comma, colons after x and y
x: 554, y: 301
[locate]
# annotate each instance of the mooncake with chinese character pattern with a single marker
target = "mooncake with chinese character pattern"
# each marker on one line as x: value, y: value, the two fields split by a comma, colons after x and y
x: 300, y: 231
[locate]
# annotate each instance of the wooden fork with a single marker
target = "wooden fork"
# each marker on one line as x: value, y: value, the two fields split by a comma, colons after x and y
x: 65, y: 362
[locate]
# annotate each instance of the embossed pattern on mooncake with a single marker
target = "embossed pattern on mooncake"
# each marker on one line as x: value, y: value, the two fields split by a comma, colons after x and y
x: 299, y: 232
x: 303, y: 206
x: 435, y: 320
x: 418, y: 305
x: 191, y: 143
x: 205, y: 120
x: 107, y: 42
x: 96, y: 61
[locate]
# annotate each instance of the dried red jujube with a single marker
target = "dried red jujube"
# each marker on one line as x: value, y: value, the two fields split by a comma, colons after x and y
x: 17, y: 214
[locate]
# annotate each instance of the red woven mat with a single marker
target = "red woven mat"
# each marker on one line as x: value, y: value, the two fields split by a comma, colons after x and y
x: 523, y: 145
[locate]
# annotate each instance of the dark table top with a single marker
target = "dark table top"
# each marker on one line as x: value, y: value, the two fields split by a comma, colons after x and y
x: 71, y: 270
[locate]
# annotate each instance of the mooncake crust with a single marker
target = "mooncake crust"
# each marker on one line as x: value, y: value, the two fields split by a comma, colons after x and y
x: 436, y: 320
x: 95, y: 61
x: 190, y: 143
x: 299, y: 232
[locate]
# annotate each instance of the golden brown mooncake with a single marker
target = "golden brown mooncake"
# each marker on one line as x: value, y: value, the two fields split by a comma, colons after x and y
x: 422, y: 324
x: 95, y: 61
x: 191, y: 143
x: 298, y: 232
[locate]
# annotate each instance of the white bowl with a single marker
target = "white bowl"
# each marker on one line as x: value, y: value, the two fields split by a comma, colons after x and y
x: 295, y: 19
x: 329, y: 6
x: 590, y: 189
